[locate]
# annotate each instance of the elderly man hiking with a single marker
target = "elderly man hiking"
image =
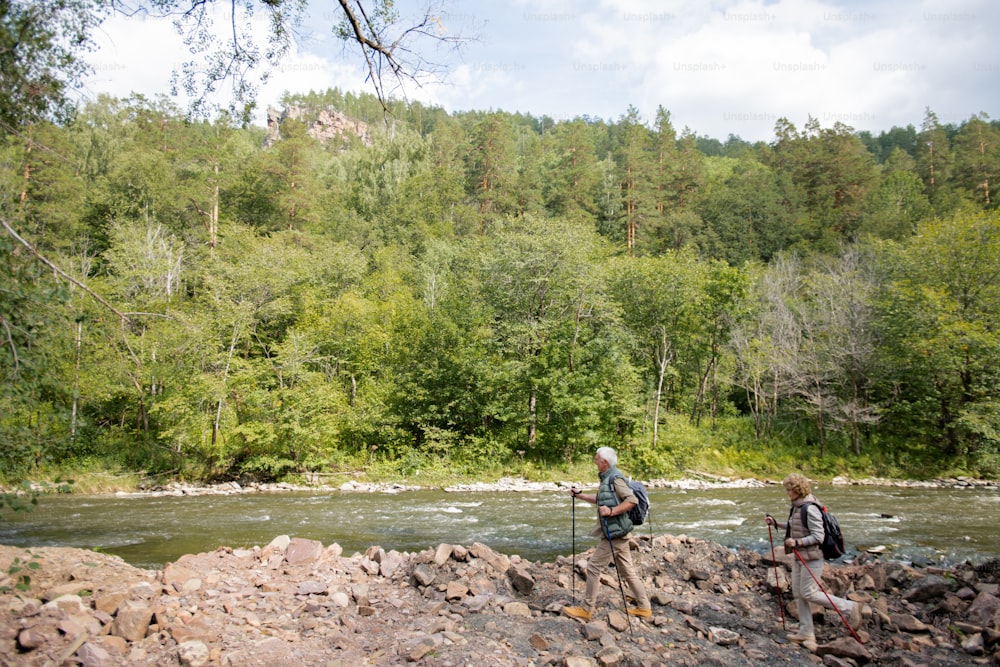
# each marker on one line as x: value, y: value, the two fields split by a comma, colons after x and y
x: 614, y: 499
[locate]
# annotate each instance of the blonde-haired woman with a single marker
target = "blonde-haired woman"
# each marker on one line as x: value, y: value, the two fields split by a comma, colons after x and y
x: 806, y: 540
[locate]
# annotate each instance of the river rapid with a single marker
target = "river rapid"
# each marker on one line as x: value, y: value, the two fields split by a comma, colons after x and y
x: 927, y: 525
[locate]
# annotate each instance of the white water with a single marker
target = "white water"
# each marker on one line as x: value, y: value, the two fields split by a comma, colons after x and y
x: 940, y: 525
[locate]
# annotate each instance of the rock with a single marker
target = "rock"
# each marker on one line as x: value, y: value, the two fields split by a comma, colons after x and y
x: 985, y: 610
x: 610, y: 655
x: 280, y: 543
x: 301, y: 551
x: 311, y: 588
x: 177, y: 576
x: 497, y: 561
x: 974, y: 645
x: 31, y: 638
x: 909, y: 623
x: 928, y: 588
x: 92, y: 655
x: 723, y: 636
x: 423, y: 575
x: 845, y: 647
x: 456, y: 590
x: 417, y: 648
x: 442, y: 554
x: 390, y: 563
x: 193, y: 654
x: 517, y: 609
x: 521, y: 580
x: 70, y: 604
x: 253, y: 607
x: 108, y: 602
x: 266, y: 653
x: 132, y: 621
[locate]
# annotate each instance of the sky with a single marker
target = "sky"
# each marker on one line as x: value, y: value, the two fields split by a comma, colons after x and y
x: 720, y: 67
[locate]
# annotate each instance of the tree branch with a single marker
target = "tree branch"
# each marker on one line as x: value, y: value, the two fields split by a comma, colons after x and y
x: 97, y: 297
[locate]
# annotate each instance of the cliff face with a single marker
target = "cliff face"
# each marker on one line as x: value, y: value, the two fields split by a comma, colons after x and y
x: 326, y: 125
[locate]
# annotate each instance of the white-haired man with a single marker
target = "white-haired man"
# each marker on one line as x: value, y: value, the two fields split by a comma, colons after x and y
x: 614, y: 498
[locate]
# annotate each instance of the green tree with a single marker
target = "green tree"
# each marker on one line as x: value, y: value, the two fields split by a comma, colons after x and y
x: 977, y: 159
x: 939, y: 313
x: 572, y: 173
x: 41, y: 47
x: 935, y: 160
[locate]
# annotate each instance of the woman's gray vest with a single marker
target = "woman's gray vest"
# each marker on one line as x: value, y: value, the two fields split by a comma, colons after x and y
x: 615, y: 526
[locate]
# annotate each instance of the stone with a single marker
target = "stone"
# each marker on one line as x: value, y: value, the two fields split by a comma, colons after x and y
x: 132, y: 621
x: 927, y: 588
x: 723, y: 636
x: 610, y: 655
x: 456, y: 590
x: 266, y: 653
x: 415, y: 649
x: 108, y: 602
x: 279, y: 543
x: 442, y: 554
x: 909, y: 623
x: 92, y: 655
x: 845, y: 647
x: 303, y: 551
x: 71, y: 588
x: 497, y: 561
x: 424, y: 575
x: 70, y: 604
x: 193, y: 654
x: 311, y: 588
x: 521, y: 580
x: 31, y: 638
x: 517, y: 609
x: 391, y: 562
x: 984, y: 610
x: 176, y: 576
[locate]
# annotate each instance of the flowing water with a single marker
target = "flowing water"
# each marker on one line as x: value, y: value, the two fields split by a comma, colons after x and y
x: 940, y: 525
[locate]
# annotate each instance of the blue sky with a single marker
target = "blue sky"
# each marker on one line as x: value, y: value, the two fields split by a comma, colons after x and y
x: 719, y: 67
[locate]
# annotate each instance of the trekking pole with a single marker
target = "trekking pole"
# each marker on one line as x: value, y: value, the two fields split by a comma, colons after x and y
x: 621, y: 585
x: 777, y: 585
x: 572, y: 573
x: 811, y: 574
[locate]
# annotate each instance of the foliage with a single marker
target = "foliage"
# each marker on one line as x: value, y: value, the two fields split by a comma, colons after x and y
x: 466, y: 294
x: 41, y: 42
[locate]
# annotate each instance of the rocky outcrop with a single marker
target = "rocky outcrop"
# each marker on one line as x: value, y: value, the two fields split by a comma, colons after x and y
x: 324, y: 125
x: 298, y: 602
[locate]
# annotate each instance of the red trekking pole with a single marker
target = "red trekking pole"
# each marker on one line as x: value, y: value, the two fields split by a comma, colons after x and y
x: 799, y: 556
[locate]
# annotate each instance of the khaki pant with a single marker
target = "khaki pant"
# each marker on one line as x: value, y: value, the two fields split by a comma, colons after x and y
x: 805, y: 590
x: 623, y: 559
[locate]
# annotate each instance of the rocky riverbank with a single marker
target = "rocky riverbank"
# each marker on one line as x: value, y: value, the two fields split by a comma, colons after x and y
x: 296, y: 602
x: 693, y: 482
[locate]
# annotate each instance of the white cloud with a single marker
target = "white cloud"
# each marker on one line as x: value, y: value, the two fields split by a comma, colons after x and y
x: 719, y: 67
x: 140, y: 55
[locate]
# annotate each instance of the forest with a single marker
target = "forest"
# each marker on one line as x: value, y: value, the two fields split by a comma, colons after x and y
x: 485, y: 291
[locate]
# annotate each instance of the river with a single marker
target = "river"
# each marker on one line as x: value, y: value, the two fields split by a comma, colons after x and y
x: 940, y: 525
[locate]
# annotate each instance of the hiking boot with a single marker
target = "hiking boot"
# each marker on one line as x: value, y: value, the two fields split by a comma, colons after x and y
x: 809, y: 645
x: 577, y: 612
x: 798, y: 639
x: 639, y: 611
x: 856, y: 618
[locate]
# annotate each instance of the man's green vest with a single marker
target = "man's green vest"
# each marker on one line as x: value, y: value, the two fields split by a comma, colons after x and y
x: 615, y: 526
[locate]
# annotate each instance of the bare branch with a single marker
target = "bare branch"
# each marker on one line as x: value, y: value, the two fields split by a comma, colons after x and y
x: 17, y: 237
